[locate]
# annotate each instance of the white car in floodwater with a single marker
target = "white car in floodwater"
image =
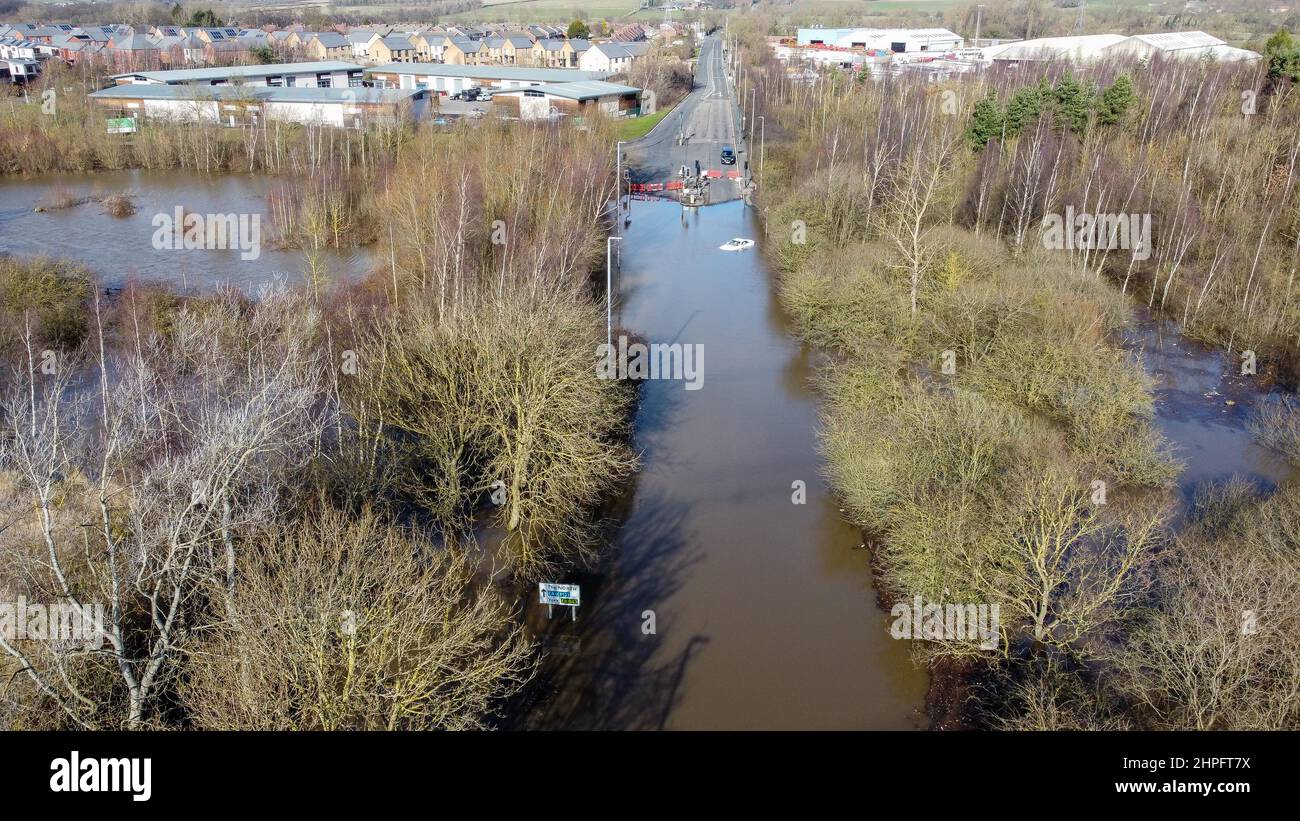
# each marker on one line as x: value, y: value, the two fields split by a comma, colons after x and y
x: 737, y: 244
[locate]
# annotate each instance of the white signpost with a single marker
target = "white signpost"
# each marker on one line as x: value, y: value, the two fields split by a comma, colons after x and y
x: 564, y: 595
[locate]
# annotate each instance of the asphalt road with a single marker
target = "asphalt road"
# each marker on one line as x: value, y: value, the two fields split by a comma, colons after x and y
x: 710, y: 119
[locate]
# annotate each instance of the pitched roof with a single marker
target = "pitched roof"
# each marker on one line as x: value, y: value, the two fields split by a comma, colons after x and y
x: 132, y: 42
x: 261, y: 93
x: 199, y: 75
x: 520, y: 73
x: 582, y: 90
x: 619, y: 51
x: 330, y: 39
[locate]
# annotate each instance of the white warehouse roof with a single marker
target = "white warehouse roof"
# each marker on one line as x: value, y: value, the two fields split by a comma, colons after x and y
x: 1084, y: 47
x: 1096, y: 46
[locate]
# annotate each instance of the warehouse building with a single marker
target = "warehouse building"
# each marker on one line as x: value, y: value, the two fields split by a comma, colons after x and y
x: 1093, y: 47
x: 450, y: 79
x: 1195, y: 45
x: 568, y: 99
x: 240, y: 105
x: 898, y: 41
x: 1081, y: 49
x: 320, y: 74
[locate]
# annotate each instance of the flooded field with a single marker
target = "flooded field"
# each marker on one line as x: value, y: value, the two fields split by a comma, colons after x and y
x: 120, y: 249
x: 732, y: 594
x: 1203, y: 407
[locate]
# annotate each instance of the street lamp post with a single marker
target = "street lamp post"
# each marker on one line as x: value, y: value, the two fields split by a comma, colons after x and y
x: 762, y: 143
x: 618, y: 185
x: 609, y: 291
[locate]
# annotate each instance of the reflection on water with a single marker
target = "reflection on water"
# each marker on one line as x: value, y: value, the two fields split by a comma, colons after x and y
x: 763, y: 610
x: 1203, y: 406
x: 121, y: 248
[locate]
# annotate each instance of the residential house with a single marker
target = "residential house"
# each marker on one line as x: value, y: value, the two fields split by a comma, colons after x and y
x: 394, y: 48
x: 428, y: 46
x: 329, y: 45
x: 234, y: 51
x: 516, y: 49
x: 612, y: 58
x: 460, y: 51
x: 132, y: 52
x: 360, y: 40
x: 629, y: 33
x: 556, y: 53
x: 216, y: 35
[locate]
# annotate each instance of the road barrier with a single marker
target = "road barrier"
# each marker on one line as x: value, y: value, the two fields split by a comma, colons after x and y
x: 676, y: 185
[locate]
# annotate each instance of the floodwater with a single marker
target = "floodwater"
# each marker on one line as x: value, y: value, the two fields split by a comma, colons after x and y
x: 763, y: 610
x: 119, y: 249
x: 720, y: 603
x: 1203, y: 407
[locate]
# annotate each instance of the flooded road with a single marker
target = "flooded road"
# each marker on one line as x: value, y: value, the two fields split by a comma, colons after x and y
x: 763, y: 610
x: 122, y: 248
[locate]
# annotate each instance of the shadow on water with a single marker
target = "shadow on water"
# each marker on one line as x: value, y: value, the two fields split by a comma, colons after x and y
x: 606, y: 671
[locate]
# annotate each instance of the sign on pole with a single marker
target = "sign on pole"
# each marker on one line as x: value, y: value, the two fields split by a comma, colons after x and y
x: 121, y: 125
x: 563, y: 595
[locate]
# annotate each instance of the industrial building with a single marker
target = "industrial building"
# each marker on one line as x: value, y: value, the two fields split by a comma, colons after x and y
x: 898, y: 41
x: 450, y: 79
x: 1093, y: 47
x: 1181, y: 45
x: 568, y: 99
x: 235, y: 105
x: 320, y: 74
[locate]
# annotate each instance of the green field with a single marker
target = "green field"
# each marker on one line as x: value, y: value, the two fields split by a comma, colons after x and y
x: 551, y: 11
x: 638, y: 127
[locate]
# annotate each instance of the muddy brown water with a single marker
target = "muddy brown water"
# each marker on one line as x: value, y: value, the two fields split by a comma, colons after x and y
x: 763, y: 610
x: 119, y: 249
x: 764, y: 614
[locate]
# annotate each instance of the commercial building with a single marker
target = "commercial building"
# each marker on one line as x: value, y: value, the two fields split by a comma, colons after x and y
x: 1093, y: 47
x: 320, y: 74
x: 898, y: 41
x: 239, y: 105
x: 568, y: 99
x: 1181, y: 45
x: 449, y: 79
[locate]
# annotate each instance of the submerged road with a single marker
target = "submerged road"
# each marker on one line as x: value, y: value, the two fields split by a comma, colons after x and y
x: 710, y: 119
x: 732, y: 594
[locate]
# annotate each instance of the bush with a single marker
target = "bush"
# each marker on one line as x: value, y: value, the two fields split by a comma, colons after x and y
x: 348, y: 623
x: 54, y: 294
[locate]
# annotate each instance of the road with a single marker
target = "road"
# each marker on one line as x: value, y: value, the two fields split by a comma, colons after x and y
x: 709, y: 117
